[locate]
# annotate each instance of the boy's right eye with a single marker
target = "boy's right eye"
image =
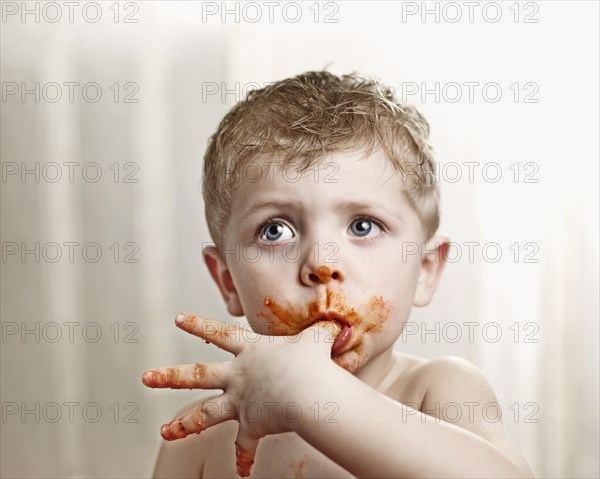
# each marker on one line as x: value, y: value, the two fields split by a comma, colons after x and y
x: 275, y: 231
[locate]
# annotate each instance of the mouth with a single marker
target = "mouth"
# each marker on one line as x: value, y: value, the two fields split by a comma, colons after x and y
x: 344, y: 337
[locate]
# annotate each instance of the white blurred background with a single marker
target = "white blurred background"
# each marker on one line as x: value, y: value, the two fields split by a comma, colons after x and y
x: 72, y: 402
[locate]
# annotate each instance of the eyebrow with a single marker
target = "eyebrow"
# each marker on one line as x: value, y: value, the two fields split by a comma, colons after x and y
x: 261, y: 204
x: 341, y: 206
x: 360, y: 205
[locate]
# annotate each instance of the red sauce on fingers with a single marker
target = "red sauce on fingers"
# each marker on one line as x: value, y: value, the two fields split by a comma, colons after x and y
x: 154, y: 378
x: 173, y: 430
x: 243, y: 461
x: 199, y: 371
x: 171, y: 378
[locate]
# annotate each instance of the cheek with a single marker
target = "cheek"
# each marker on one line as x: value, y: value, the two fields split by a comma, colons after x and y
x: 253, y: 284
x: 402, y: 287
x: 394, y: 268
x: 385, y: 336
x: 392, y: 331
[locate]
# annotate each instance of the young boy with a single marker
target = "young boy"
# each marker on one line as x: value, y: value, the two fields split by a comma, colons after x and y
x: 319, y: 199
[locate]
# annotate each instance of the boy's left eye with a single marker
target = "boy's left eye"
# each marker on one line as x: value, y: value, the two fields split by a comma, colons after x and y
x: 361, y: 227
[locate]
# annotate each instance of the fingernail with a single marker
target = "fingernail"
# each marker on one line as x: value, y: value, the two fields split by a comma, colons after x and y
x: 180, y: 319
x: 165, y: 432
x: 147, y: 378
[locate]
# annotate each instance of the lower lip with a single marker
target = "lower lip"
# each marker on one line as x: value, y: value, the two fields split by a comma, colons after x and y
x: 342, y: 340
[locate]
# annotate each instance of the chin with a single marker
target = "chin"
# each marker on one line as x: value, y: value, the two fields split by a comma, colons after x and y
x: 352, y: 360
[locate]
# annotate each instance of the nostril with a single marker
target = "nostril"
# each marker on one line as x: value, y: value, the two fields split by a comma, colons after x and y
x: 324, y: 275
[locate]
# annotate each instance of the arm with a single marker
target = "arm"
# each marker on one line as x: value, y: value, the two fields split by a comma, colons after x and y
x: 375, y: 433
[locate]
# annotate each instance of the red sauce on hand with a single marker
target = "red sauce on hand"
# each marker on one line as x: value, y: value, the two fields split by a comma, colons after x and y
x: 243, y: 461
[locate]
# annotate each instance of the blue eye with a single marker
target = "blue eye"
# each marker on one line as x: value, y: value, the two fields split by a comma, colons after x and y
x: 276, y: 231
x: 361, y: 227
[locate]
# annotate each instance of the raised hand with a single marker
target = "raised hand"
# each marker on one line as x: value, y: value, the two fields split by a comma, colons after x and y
x: 256, y: 383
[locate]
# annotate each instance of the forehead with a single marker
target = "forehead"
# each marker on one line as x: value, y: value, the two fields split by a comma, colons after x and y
x: 348, y: 173
x: 351, y: 178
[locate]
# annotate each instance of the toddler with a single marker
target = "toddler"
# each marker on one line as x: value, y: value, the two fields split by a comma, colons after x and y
x: 320, y: 201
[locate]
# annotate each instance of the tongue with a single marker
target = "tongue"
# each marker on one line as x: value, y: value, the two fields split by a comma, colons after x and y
x: 341, y: 340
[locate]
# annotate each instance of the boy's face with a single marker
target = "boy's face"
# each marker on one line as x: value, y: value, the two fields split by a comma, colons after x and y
x: 340, y: 239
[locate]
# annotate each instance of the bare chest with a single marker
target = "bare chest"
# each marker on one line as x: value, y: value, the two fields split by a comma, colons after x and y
x: 278, y: 456
x: 288, y: 455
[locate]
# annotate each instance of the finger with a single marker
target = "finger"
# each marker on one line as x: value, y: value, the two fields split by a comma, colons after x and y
x: 224, y: 335
x: 187, y: 376
x: 209, y: 413
x: 245, y: 451
x: 325, y: 331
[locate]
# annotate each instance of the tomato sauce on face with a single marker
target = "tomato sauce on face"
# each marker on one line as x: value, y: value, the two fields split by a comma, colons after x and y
x: 293, y: 318
x: 325, y: 275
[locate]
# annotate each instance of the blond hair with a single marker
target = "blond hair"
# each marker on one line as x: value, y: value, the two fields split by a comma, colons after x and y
x: 302, y: 119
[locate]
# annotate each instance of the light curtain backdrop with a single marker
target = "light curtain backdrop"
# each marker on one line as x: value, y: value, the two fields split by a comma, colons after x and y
x: 548, y: 388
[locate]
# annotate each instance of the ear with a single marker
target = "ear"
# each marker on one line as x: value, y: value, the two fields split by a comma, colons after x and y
x: 221, y: 275
x: 432, y: 264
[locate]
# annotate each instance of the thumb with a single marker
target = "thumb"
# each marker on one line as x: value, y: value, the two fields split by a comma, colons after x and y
x: 245, y: 450
x: 326, y: 332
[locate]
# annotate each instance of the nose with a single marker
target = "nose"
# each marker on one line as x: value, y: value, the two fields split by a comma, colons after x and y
x: 312, y: 275
x: 321, y: 262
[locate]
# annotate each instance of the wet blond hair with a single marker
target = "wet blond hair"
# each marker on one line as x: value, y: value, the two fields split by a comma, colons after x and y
x: 301, y: 119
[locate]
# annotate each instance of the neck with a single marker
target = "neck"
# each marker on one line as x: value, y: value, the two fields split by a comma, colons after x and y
x: 377, y: 368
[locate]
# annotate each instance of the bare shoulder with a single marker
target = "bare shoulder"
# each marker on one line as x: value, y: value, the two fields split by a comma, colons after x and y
x: 186, y: 458
x: 445, y: 368
x: 449, y: 378
x: 457, y: 392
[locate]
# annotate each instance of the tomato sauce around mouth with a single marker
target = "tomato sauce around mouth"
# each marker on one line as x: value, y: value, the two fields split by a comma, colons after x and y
x: 292, y: 319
